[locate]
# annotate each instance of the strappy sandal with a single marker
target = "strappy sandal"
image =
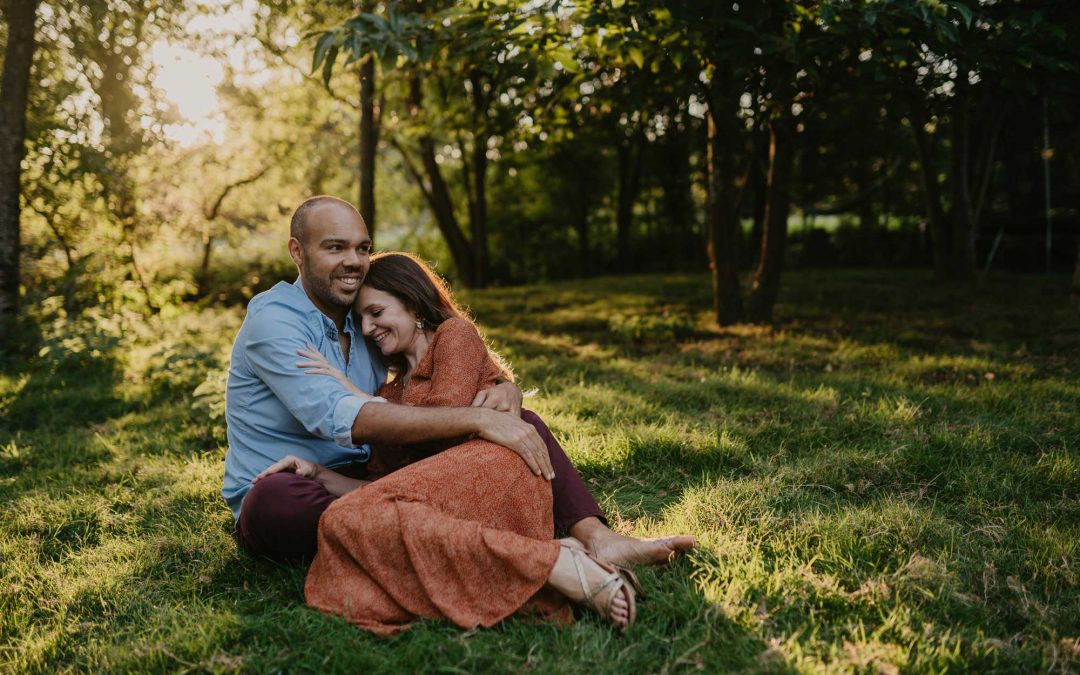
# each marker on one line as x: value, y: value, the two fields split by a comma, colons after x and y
x: 625, y: 572
x: 629, y: 577
x: 613, y: 581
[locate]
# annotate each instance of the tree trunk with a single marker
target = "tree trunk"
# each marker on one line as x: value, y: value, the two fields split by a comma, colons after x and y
x: 722, y: 245
x: 758, y: 176
x: 14, y: 88
x: 675, y: 182
x: 203, y: 282
x: 478, y: 217
x: 438, y: 196
x: 1076, y: 280
x: 631, y: 159
x: 368, y: 143
x: 436, y: 193
x: 867, y: 219
x: 766, y: 284
x: 961, y: 262
x: 940, y: 230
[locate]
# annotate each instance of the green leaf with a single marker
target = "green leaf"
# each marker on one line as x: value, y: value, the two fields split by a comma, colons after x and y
x: 965, y: 12
x: 326, y: 41
x: 617, y: 4
x: 355, y: 47
x: 328, y: 65
x: 637, y: 57
x: 566, y: 58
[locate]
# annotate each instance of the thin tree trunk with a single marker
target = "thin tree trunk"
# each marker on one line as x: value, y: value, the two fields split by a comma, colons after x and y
x: 443, y: 207
x: 759, y: 170
x: 479, y: 216
x: 210, y: 214
x: 867, y: 219
x: 368, y: 143
x: 14, y: 88
x: 677, y: 201
x: 722, y: 245
x: 431, y: 183
x: 1076, y: 280
x: 940, y: 231
x: 631, y: 160
x: 766, y: 284
x: 203, y: 282
x: 961, y: 265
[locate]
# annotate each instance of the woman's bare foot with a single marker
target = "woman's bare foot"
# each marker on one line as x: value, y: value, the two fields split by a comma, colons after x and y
x: 619, y: 549
x: 570, y: 542
x: 585, y: 581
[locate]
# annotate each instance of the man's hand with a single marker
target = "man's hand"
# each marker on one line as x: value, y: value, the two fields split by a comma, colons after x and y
x: 505, y: 397
x: 521, y: 437
x: 291, y: 464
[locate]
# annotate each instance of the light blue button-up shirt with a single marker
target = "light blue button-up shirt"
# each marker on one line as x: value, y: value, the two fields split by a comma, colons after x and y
x: 275, y: 409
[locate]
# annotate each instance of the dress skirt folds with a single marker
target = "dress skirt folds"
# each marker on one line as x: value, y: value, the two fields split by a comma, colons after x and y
x: 464, y: 535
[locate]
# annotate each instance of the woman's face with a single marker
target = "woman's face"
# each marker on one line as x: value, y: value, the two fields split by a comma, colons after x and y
x: 386, y: 320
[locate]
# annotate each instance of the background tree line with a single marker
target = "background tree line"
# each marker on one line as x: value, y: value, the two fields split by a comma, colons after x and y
x: 519, y: 141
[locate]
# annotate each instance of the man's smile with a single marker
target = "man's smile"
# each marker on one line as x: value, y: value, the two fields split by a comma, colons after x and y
x: 350, y: 281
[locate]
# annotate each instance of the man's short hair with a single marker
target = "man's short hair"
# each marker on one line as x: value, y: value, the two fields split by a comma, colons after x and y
x: 298, y: 224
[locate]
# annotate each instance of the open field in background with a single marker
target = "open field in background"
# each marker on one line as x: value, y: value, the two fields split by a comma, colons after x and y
x: 889, y: 479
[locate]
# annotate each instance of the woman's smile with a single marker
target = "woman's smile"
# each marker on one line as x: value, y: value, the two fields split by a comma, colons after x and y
x: 391, y: 325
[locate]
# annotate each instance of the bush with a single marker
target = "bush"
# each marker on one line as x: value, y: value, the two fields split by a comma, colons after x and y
x: 665, y: 326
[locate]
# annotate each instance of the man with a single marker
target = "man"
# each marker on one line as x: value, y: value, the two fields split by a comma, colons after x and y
x: 303, y: 439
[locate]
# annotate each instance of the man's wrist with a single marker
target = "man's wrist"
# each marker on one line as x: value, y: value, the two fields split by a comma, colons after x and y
x: 479, y: 419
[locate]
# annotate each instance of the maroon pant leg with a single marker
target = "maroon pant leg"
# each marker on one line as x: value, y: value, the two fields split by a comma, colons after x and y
x: 279, y: 518
x: 572, y: 501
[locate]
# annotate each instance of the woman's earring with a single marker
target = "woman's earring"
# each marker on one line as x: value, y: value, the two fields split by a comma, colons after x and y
x: 419, y: 323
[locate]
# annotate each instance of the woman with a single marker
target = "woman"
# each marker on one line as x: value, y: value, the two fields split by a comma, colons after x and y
x: 463, y: 534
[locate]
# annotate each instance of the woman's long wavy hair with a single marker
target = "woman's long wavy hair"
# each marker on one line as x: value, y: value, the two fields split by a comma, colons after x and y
x: 424, y: 293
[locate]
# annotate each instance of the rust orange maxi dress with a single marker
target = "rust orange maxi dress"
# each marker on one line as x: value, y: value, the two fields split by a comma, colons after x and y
x: 464, y: 535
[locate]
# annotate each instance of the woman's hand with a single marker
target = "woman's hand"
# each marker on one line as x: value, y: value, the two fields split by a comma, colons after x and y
x: 505, y: 397
x: 316, y: 364
x: 292, y: 464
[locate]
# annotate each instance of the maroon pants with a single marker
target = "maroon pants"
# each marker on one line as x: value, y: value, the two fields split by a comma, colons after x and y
x: 279, y: 518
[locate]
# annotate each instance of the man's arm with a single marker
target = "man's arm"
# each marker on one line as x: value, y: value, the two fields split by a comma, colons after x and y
x: 401, y: 424
x: 320, y: 403
x: 334, y: 483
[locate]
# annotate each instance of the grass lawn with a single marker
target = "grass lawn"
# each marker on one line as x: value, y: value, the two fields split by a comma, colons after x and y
x: 887, y: 480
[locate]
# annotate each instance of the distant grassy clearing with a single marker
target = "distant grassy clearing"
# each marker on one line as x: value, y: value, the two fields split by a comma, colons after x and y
x: 888, y: 480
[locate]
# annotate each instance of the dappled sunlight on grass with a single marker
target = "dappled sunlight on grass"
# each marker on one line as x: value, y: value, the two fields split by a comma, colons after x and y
x: 887, y: 481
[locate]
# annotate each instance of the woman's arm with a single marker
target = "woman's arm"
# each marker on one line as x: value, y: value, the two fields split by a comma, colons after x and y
x: 316, y: 364
x: 460, y: 366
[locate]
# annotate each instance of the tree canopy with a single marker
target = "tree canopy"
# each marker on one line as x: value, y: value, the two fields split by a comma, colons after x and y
x: 517, y: 141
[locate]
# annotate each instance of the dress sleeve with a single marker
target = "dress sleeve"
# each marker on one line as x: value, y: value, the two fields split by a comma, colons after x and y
x: 460, y: 363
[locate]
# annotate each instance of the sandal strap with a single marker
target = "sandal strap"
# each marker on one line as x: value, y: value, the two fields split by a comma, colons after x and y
x: 591, y: 591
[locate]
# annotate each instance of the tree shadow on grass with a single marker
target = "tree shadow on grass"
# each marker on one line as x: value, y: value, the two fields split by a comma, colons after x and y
x: 64, y: 389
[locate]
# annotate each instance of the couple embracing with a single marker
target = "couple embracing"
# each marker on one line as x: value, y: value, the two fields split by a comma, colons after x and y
x: 431, y: 495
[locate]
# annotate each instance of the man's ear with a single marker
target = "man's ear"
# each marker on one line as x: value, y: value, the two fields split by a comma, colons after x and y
x: 296, y: 251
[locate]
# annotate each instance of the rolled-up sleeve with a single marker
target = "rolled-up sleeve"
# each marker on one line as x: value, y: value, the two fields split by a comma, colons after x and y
x: 345, y: 413
x: 320, y: 403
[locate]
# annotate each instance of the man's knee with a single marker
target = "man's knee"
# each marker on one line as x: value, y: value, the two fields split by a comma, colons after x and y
x: 274, y: 497
x: 280, y: 515
x: 532, y: 418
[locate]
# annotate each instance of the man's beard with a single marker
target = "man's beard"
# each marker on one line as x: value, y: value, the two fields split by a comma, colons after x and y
x: 323, y: 288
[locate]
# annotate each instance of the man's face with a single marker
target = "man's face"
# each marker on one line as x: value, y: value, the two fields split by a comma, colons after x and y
x: 333, y: 257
